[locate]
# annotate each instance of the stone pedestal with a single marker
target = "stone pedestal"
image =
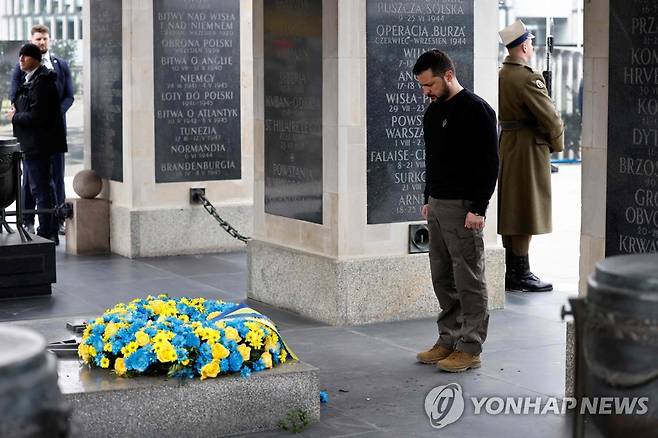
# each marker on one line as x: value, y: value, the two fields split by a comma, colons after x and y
x: 169, y: 88
x: 352, y: 291
x: 106, y: 405
x: 330, y: 227
x: 88, y: 231
x: 26, y: 268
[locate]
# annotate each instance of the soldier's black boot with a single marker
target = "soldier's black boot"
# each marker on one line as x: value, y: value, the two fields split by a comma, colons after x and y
x: 522, y: 280
x: 509, y: 267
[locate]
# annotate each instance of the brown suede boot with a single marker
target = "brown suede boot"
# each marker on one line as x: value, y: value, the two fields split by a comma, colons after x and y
x: 459, y: 361
x: 434, y: 354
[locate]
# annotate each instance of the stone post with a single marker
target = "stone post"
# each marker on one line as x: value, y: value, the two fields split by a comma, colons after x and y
x: 169, y: 94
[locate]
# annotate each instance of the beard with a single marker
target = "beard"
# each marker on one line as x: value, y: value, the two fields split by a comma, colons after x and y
x: 443, y: 96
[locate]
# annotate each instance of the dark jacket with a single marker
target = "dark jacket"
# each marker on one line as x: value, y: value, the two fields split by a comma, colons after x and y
x: 461, y: 150
x: 64, y: 82
x: 38, y: 122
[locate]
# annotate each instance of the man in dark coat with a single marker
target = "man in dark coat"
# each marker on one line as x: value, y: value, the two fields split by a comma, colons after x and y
x: 39, y: 126
x: 40, y: 36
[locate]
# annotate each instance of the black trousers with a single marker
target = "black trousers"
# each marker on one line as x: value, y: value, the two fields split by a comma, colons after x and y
x: 29, y: 202
x: 39, y: 176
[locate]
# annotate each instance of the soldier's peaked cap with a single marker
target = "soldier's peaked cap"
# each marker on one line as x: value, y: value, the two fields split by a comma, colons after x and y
x: 515, y: 34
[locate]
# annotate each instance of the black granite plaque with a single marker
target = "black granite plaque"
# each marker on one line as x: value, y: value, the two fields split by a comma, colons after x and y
x: 293, y: 108
x: 196, y: 56
x: 106, y: 92
x: 632, y: 174
x: 398, y: 32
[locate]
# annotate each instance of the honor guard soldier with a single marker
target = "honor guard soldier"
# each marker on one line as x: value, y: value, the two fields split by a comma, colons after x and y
x: 531, y: 130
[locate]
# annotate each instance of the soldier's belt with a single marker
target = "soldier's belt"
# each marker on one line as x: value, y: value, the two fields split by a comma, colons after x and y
x: 516, y: 125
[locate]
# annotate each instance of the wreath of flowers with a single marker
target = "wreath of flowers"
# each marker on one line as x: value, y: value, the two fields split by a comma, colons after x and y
x: 182, y: 337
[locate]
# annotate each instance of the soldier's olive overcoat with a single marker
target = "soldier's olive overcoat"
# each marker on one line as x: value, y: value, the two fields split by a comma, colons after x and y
x: 524, y: 178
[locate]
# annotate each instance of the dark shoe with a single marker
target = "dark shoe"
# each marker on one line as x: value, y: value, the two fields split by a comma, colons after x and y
x: 459, y: 361
x: 434, y: 354
x: 62, y: 229
x: 520, y: 279
x: 29, y: 227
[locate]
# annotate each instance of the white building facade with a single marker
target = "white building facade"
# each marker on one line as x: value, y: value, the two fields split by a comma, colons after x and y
x: 63, y: 18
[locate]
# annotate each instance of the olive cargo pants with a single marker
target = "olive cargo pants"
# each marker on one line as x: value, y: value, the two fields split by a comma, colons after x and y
x: 457, y: 266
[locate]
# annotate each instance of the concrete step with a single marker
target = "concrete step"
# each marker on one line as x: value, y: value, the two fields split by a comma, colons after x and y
x: 106, y: 405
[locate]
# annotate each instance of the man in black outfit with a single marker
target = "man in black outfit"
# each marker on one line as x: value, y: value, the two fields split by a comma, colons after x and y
x: 461, y: 163
x: 40, y: 37
x: 39, y: 126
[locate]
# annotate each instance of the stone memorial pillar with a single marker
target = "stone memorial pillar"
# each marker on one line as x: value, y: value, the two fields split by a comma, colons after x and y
x: 620, y: 137
x: 168, y: 84
x: 339, y: 165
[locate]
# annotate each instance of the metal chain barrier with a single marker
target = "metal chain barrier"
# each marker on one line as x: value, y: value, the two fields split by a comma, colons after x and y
x: 201, y: 198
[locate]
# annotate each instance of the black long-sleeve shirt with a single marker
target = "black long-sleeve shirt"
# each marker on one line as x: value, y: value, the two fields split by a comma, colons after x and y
x: 461, y: 150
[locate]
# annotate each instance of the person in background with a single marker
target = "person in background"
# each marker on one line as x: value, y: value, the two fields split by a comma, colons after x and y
x: 461, y: 162
x: 531, y: 130
x: 40, y: 36
x: 39, y: 126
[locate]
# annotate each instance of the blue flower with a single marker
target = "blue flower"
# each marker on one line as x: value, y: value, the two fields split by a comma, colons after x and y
x: 96, y: 342
x: 192, y: 340
x: 181, y: 353
x: 139, y: 360
x: 245, y: 372
x: 324, y: 397
x: 235, y: 361
x: 258, y: 365
x: 178, y: 341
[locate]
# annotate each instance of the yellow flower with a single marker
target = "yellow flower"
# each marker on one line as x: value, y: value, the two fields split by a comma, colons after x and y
x: 163, y: 335
x: 105, y: 362
x: 92, y: 351
x: 220, y: 324
x: 267, y: 359
x: 254, y: 339
x: 107, y: 347
x: 142, y: 338
x: 184, y: 318
x: 166, y: 352
x: 244, y: 351
x: 231, y: 333
x: 283, y: 355
x: 129, y: 349
x: 272, y: 342
x: 120, y: 366
x: 185, y: 362
x: 212, y: 315
x: 83, y: 351
x: 219, y: 351
x: 211, y: 369
x: 110, y: 330
x: 207, y: 334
